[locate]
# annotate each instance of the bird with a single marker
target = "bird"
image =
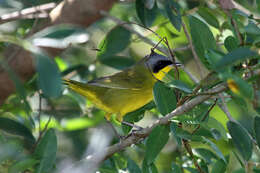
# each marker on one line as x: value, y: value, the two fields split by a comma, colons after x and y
x: 127, y: 90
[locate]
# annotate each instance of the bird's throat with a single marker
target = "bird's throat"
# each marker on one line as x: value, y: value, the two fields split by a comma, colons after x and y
x: 162, y: 72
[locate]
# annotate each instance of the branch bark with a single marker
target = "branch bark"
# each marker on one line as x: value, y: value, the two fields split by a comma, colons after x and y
x: 136, y: 137
x: 78, y: 12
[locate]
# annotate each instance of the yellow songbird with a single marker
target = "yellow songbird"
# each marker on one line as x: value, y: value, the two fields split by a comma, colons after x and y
x: 127, y: 90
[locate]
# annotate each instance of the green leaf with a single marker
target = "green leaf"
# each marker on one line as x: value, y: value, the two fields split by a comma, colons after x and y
x: 219, y: 167
x: 16, y: 128
x: 149, y: 4
x: 174, y: 128
x: 173, y: 12
x: 241, y: 170
x: 108, y: 166
x: 215, y: 148
x: 240, y: 139
x: 146, y: 15
x: 235, y: 56
x: 192, y: 170
x: 183, y: 134
x: 180, y: 85
x: 256, y: 170
x: 49, y: 77
x: 120, y: 161
x: 18, y: 84
x: 46, y: 152
x: 155, y: 142
x: 252, y: 29
x: 118, y: 62
x: 164, y: 98
x: 22, y: 165
x: 114, y: 42
x: 257, y: 129
x: 208, y: 16
x: 202, y: 42
x: 215, y: 124
x: 206, y: 154
x: 149, y: 168
x: 231, y: 43
x: 135, y: 116
x: 20, y: 89
x: 212, y: 56
x: 176, y: 168
x: 204, y: 166
x: 240, y: 87
x: 60, y: 36
x: 132, y: 167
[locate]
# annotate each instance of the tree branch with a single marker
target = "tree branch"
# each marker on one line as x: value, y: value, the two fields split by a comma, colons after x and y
x: 78, y: 12
x: 28, y: 13
x: 137, y: 136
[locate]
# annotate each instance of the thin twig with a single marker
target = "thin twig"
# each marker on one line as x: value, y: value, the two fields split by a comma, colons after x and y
x: 224, y: 108
x: 206, y: 115
x: 148, y: 41
x: 195, y: 55
x: 41, y: 132
x: 189, y: 150
x: 39, y: 113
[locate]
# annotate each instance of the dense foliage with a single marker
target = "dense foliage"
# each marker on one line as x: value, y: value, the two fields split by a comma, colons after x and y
x: 45, y: 127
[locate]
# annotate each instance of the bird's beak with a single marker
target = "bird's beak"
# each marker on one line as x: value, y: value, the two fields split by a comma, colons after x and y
x: 177, y: 64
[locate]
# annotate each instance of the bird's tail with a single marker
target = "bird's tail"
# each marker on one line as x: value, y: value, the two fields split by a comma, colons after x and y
x: 74, y: 85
